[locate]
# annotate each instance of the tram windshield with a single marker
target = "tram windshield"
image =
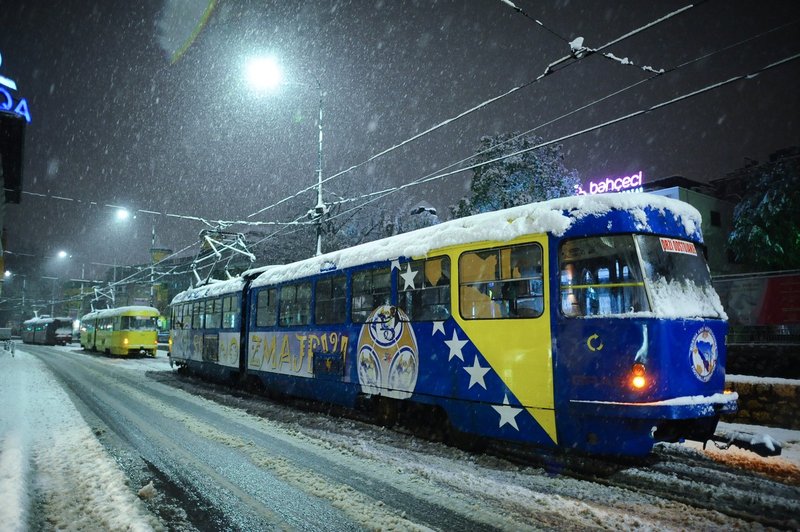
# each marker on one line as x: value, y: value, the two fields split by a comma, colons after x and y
x: 629, y: 274
x: 139, y: 323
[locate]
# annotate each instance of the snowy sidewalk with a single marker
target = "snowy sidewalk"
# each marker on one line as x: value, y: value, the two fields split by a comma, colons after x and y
x: 50, y: 458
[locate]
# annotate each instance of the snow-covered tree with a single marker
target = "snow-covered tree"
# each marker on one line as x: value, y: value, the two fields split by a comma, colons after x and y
x: 378, y: 221
x: 766, y: 229
x: 535, y: 175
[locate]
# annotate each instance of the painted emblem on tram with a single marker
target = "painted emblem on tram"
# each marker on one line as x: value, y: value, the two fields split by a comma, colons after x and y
x: 704, y: 354
x: 388, y: 363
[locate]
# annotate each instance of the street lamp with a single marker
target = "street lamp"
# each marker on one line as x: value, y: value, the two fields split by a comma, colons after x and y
x: 265, y: 73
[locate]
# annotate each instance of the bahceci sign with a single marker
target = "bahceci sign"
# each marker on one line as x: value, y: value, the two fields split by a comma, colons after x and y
x: 628, y: 183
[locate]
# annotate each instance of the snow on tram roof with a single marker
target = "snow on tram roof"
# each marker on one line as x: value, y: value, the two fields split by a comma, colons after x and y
x: 104, y: 313
x: 214, y: 288
x: 553, y: 216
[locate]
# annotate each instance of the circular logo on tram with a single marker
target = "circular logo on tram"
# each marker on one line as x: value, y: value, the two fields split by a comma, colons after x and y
x: 704, y: 354
x: 388, y: 364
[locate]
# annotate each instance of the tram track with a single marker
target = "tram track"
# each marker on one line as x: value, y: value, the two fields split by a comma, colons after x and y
x: 695, y: 481
x: 428, y: 483
x: 677, y: 475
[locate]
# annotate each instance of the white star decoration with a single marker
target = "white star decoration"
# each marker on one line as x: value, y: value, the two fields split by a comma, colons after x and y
x: 438, y: 326
x: 476, y: 373
x: 408, y: 278
x: 455, y: 345
x: 507, y: 413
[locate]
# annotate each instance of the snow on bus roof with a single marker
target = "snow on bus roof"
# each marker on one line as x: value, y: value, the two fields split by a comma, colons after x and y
x: 554, y: 216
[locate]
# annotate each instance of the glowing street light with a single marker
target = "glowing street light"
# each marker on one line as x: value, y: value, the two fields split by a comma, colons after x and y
x: 123, y: 214
x: 62, y: 254
x: 265, y: 73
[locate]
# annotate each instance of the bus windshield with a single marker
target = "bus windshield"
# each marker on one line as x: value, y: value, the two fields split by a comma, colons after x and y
x: 630, y: 274
x: 139, y: 323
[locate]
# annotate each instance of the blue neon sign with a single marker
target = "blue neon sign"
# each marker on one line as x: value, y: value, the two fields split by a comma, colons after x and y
x: 7, y: 102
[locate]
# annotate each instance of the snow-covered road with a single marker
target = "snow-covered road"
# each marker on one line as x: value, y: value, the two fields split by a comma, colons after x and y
x: 95, y: 443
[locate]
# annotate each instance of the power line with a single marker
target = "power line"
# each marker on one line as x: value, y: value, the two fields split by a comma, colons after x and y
x: 386, y: 192
x: 572, y: 58
x: 743, y: 77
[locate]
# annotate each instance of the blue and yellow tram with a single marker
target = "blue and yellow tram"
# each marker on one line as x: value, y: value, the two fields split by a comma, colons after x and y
x: 586, y: 323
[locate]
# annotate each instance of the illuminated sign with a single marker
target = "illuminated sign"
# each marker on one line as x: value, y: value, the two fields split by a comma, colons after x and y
x: 7, y: 102
x: 629, y: 183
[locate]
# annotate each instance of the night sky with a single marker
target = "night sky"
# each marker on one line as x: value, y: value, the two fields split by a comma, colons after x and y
x: 116, y: 122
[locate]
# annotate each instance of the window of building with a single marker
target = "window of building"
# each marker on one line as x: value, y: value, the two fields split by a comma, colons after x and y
x: 295, y: 304
x: 267, y: 308
x: 329, y: 307
x: 501, y: 283
x: 423, y: 289
x: 371, y: 289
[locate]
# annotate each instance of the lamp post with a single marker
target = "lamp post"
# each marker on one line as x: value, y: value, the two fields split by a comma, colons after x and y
x: 263, y: 73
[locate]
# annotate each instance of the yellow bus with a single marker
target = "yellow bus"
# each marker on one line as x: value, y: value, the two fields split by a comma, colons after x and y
x: 121, y: 331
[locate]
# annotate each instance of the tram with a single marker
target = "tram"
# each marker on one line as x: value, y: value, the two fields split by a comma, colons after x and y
x: 585, y: 323
x: 121, y: 331
x: 47, y: 331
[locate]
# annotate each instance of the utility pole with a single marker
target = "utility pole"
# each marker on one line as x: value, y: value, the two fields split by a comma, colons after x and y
x: 153, y: 268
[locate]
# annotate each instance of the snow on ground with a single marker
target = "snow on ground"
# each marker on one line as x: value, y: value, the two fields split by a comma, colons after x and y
x: 50, y: 461
x: 47, y: 449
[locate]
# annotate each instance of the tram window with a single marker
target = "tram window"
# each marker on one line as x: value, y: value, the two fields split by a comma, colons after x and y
x: 230, y: 309
x: 267, y: 308
x: 423, y: 289
x: 213, y: 313
x: 601, y: 276
x: 295, y: 305
x: 138, y: 323
x: 371, y: 289
x: 501, y: 283
x: 187, y: 316
x: 331, y: 298
x: 197, y: 314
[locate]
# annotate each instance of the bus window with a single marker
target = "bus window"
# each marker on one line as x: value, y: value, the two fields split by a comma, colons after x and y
x: 371, y: 289
x: 423, y: 289
x: 329, y: 307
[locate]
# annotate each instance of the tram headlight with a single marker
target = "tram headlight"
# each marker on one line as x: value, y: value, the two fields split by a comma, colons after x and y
x: 125, y: 341
x: 638, y: 380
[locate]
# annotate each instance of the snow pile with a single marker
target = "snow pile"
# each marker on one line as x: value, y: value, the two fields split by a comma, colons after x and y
x: 77, y: 485
x: 674, y: 299
x: 13, y: 478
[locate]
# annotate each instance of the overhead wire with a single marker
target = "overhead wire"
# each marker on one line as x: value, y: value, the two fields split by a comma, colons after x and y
x: 422, y: 180
x: 666, y: 103
x: 550, y: 69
